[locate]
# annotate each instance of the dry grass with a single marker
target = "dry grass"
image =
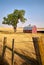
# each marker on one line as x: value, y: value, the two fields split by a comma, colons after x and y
x: 23, y: 46
x: 3, y: 61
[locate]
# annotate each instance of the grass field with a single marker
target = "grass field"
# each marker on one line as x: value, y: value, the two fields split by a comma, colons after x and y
x: 23, y: 46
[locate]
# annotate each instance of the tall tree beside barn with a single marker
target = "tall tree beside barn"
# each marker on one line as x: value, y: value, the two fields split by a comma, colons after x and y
x: 13, y: 18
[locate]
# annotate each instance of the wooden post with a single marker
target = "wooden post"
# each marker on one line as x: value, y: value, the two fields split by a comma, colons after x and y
x: 41, y: 45
x: 4, y: 48
x: 13, y: 52
x: 37, y: 50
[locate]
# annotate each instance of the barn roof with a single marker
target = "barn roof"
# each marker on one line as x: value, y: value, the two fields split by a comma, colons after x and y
x: 28, y: 28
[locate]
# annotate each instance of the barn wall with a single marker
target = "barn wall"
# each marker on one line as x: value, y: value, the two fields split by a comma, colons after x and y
x: 27, y: 31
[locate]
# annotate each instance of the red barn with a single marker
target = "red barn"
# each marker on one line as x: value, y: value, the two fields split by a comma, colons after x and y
x: 34, y: 29
x: 30, y: 29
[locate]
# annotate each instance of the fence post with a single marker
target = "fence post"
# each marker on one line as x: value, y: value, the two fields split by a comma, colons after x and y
x: 41, y: 45
x: 37, y: 49
x: 4, y: 48
x: 12, y: 51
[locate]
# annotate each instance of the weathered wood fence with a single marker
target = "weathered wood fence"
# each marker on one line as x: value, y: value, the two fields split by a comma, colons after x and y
x: 37, y: 50
x: 4, y: 49
x: 37, y: 47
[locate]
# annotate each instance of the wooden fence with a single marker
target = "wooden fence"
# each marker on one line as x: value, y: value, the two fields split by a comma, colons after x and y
x: 37, y: 46
x: 37, y: 50
x: 4, y: 49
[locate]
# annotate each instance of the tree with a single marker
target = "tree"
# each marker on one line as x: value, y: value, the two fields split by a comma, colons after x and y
x: 13, y: 18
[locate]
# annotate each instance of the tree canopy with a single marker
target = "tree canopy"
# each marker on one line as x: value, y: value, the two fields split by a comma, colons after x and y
x: 13, y: 18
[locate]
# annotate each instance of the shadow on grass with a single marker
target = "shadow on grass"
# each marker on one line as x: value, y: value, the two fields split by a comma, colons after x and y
x: 28, y: 60
x: 3, y: 61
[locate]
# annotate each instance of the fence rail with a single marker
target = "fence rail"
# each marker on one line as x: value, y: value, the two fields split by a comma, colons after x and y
x: 36, y: 46
x: 4, y: 49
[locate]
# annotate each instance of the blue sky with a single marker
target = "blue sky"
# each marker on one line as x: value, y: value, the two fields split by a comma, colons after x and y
x: 34, y: 11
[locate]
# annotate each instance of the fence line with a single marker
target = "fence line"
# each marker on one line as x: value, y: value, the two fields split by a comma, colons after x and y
x: 4, y: 49
x: 37, y: 51
x: 36, y: 46
x: 12, y: 52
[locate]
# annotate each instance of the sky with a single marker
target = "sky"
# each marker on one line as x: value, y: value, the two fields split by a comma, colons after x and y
x: 34, y: 11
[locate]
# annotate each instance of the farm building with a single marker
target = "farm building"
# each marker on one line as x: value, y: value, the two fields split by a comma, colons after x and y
x: 30, y: 29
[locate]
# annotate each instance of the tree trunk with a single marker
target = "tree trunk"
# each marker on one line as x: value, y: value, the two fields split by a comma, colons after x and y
x: 15, y: 28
